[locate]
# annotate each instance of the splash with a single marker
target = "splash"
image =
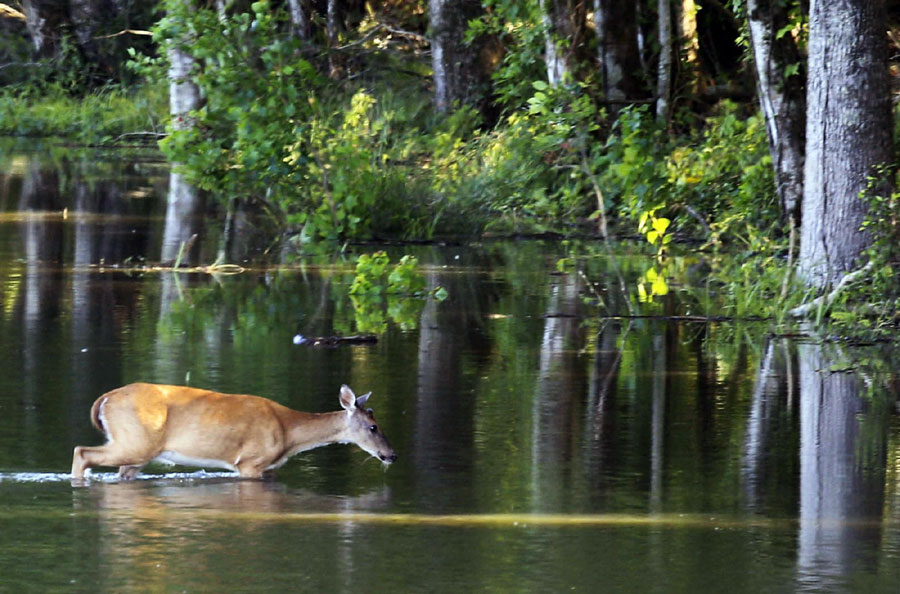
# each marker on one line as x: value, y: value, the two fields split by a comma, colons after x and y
x: 107, y: 477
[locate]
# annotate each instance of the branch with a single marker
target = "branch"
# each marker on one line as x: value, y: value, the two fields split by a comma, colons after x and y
x: 9, y: 12
x: 126, y: 32
x: 804, y: 310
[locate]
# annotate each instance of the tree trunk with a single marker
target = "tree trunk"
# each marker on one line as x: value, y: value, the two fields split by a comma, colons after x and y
x: 563, y: 26
x: 848, y: 132
x: 620, y: 63
x: 299, y: 19
x: 782, y: 98
x: 664, y: 68
x: 43, y: 18
x: 458, y: 74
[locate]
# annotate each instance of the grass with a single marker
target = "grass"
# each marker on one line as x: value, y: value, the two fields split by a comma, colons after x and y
x: 105, y: 116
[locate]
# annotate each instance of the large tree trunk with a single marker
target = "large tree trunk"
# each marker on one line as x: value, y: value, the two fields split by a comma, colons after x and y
x: 44, y: 19
x: 458, y: 74
x: 782, y: 98
x: 848, y: 132
x: 300, y: 26
x: 564, y: 24
x: 620, y: 63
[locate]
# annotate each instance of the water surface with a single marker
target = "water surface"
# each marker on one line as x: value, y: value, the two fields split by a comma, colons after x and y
x: 543, y: 448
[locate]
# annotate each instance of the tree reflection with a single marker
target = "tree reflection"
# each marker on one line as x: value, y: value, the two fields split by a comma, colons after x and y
x: 842, y: 473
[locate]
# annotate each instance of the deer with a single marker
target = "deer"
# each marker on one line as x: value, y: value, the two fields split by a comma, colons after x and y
x: 250, y: 435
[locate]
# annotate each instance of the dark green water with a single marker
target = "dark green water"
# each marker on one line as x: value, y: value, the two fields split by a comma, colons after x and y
x: 542, y: 449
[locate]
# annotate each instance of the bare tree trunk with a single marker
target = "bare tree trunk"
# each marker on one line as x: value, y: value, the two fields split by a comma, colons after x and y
x: 299, y: 19
x: 458, y: 74
x: 664, y: 68
x: 848, y: 132
x: 690, y: 41
x: 620, y: 64
x: 563, y: 24
x: 782, y: 97
x: 43, y: 19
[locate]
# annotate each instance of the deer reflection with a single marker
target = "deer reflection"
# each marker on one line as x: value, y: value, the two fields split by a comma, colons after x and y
x: 164, y: 533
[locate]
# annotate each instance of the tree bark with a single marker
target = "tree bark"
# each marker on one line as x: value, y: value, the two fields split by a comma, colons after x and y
x: 299, y: 19
x: 664, y: 68
x: 458, y: 74
x: 564, y: 22
x: 782, y: 97
x: 620, y: 63
x: 848, y: 132
x: 43, y: 18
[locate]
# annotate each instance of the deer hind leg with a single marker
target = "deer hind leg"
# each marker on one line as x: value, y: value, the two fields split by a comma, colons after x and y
x: 85, y: 457
x: 129, y: 471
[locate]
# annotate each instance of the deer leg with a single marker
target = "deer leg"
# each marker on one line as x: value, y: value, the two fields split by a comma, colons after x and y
x: 87, y: 457
x: 129, y: 471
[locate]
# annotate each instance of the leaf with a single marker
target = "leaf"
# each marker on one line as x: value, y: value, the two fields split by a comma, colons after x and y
x: 652, y: 236
x: 440, y: 293
x: 659, y: 287
x: 539, y: 85
x: 661, y: 224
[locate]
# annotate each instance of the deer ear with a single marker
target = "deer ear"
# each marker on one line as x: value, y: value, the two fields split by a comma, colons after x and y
x: 361, y: 401
x: 348, y: 398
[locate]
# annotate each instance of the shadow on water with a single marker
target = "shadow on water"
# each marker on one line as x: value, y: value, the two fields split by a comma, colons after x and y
x: 540, y: 445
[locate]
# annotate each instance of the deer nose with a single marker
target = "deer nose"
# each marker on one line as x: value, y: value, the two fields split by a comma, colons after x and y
x: 389, y: 459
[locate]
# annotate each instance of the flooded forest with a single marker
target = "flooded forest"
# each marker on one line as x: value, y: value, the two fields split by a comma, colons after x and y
x: 625, y: 305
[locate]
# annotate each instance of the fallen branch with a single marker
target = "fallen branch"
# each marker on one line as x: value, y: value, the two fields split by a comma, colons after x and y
x: 333, y: 341
x: 801, y: 311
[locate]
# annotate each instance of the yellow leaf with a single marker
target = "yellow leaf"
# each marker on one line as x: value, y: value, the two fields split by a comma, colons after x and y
x: 652, y: 236
x: 642, y: 293
x: 659, y: 287
x: 661, y: 224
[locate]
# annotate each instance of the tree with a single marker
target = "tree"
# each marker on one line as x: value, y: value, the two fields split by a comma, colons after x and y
x: 664, y: 68
x: 617, y: 49
x: 848, y: 133
x: 781, y: 84
x: 563, y: 24
x: 458, y: 73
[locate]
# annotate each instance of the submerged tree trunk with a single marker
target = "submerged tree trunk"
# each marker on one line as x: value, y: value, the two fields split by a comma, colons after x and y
x: 782, y: 97
x: 848, y: 132
x: 457, y: 70
x: 617, y: 48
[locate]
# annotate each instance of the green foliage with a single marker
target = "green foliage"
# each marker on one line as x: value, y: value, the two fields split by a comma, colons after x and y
x: 519, y: 28
x: 403, y: 286
x: 870, y: 307
x: 99, y: 117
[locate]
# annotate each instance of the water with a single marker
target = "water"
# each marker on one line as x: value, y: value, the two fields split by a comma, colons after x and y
x: 542, y: 449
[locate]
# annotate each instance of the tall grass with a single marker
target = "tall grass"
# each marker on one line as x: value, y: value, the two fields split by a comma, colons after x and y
x: 104, y: 116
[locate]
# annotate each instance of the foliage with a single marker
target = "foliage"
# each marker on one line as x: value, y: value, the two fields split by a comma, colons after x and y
x: 403, y: 285
x: 870, y: 307
x: 656, y: 231
x: 100, y: 117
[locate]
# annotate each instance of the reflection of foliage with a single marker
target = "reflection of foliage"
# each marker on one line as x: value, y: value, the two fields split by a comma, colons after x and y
x: 652, y: 284
x: 403, y: 285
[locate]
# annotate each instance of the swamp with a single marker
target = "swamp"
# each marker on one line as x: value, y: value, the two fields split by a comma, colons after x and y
x: 621, y: 278
x: 543, y: 446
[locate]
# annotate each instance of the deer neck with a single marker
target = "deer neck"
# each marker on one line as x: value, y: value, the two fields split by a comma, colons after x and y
x: 306, y: 431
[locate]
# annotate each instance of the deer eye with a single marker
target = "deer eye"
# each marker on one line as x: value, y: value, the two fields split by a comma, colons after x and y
x: 373, y: 428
